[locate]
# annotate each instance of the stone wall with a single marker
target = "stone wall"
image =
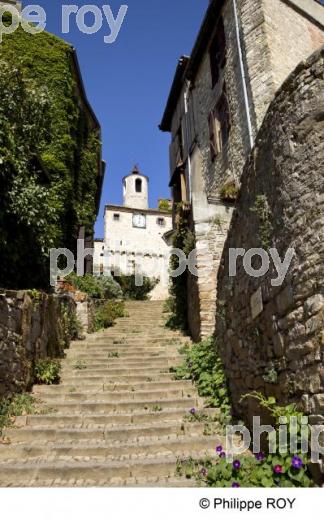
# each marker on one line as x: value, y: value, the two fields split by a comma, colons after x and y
x: 272, y: 337
x: 31, y: 328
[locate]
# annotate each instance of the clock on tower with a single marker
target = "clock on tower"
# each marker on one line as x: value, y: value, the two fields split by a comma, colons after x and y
x: 139, y: 220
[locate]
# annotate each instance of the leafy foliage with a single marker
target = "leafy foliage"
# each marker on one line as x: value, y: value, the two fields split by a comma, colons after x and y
x: 47, y: 372
x: 133, y: 292
x: 183, y: 239
x: 248, y: 471
x: 48, y: 156
x: 263, y: 212
x: 204, y: 367
x: 281, y: 468
x: 105, y: 315
x: 72, y: 327
x: 229, y: 191
x: 101, y: 287
x: 19, y: 404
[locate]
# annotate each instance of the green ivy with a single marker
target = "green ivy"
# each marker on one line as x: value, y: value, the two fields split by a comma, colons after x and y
x: 41, y: 115
x: 177, y: 305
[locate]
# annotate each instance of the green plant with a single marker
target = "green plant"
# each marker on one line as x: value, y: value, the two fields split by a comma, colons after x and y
x: 229, y: 191
x: 47, y: 371
x: 72, y: 327
x: 79, y: 365
x: 17, y: 405
x: 263, y: 212
x: 204, y: 367
x: 157, y: 408
x: 165, y: 205
x: 105, y: 315
x: 177, y: 304
x: 101, y: 287
x: 133, y: 292
x: 49, y: 154
x: 271, y: 374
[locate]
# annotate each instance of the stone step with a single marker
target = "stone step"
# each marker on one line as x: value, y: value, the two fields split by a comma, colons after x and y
x: 117, y: 395
x: 121, y: 433
x: 97, y: 406
x: 82, y: 421
x: 114, y: 372
x: 123, y: 349
x: 94, y: 387
x: 124, y: 354
x: 128, y: 377
x: 143, y: 482
x: 179, y: 447
x: 116, y: 363
x: 140, y: 468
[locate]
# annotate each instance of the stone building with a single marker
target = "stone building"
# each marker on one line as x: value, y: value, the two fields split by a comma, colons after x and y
x: 271, y: 335
x: 244, y: 51
x: 135, y: 241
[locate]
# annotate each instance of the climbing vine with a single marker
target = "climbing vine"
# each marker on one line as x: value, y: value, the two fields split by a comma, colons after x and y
x: 48, y: 156
x: 177, y: 305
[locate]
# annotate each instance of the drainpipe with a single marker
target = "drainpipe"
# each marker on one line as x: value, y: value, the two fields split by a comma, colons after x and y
x: 187, y: 136
x: 245, y: 93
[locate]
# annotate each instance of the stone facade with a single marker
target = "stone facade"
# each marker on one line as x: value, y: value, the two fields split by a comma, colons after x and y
x: 134, y: 238
x: 31, y: 328
x: 272, y: 337
x: 264, y: 41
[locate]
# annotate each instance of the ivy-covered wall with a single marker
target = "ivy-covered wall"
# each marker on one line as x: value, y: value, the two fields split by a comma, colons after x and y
x: 50, y: 156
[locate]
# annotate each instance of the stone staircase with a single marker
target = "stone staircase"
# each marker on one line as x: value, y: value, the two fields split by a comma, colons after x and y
x: 116, y: 419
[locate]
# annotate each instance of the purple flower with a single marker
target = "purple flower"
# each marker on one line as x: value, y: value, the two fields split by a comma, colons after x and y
x: 236, y: 464
x: 203, y: 472
x: 296, y: 462
x: 222, y: 455
x: 193, y: 411
x: 260, y: 456
x: 219, y: 449
x: 278, y: 469
x: 235, y: 485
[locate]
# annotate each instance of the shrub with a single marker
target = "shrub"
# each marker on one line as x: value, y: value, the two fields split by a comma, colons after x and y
x: 229, y: 192
x: 101, y: 287
x: 204, y: 367
x: 19, y: 404
x: 282, y: 468
x: 105, y: 315
x: 47, y: 372
x: 72, y: 327
x: 131, y: 291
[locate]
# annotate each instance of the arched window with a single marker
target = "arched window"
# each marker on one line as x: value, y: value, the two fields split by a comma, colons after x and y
x: 138, y: 185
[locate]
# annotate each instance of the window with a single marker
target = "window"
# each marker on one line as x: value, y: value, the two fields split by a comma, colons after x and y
x: 160, y: 221
x: 219, y: 126
x: 116, y: 217
x: 217, y: 52
x: 138, y: 185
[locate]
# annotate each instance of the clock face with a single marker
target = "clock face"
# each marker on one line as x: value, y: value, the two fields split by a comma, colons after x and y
x: 139, y: 220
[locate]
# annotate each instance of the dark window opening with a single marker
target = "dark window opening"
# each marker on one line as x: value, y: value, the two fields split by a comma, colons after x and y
x: 116, y: 216
x: 217, y: 52
x: 161, y: 221
x: 138, y: 186
x: 219, y: 126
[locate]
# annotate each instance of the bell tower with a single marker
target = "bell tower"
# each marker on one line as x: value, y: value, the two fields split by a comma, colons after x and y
x: 135, y: 190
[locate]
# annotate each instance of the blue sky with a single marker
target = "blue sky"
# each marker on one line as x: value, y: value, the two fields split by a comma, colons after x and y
x: 127, y: 83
